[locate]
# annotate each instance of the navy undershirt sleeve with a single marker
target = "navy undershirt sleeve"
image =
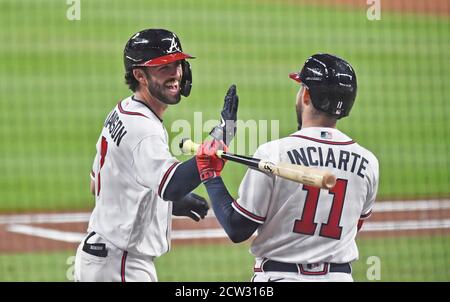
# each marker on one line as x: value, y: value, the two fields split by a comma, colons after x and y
x: 183, y: 181
x: 237, y: 227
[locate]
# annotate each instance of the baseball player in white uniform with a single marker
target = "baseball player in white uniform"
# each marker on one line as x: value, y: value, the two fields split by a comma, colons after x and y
x: 305, y: 233
x: 136, y: 181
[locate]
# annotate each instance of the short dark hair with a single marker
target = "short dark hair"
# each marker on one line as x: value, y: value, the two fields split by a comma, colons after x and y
x: 130, y: 80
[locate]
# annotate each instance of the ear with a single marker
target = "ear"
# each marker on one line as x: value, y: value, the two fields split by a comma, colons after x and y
x: 140, y: 76
x: 306, y: 97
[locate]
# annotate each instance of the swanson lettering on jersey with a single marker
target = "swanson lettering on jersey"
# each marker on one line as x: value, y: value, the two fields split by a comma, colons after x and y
x: 116, y: 127
x: 327, y: 157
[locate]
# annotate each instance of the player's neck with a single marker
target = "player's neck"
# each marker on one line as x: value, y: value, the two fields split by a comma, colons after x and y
x: 318, y: 121
x: 157, y: 107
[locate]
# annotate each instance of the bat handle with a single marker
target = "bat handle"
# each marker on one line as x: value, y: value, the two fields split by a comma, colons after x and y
x: 187, y: 146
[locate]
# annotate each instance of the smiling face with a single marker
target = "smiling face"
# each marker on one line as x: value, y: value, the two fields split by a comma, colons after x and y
x: 163, y: 82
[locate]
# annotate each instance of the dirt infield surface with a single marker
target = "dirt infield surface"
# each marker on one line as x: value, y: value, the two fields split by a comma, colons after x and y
x: 63, y: 231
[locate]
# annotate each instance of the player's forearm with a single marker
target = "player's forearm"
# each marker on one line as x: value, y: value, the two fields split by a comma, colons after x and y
x: 184, y: 180
x: 237, y: 227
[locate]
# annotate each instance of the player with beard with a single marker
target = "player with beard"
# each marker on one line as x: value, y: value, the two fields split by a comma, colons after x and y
x: 304, y: 233
x: 136, y: 181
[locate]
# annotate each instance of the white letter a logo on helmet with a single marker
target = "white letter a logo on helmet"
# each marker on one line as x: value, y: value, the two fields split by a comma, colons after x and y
x: 173, y: 45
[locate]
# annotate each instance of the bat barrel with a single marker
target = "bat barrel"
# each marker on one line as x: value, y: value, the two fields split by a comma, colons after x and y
x: 305, y: 175
x: 329, y: 181
x: 301, y: 174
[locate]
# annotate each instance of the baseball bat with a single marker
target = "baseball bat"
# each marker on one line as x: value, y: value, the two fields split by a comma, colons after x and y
x: 301, y: 174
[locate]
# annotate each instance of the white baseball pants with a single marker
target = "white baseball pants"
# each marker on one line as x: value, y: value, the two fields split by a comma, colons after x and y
x: 97, y: 260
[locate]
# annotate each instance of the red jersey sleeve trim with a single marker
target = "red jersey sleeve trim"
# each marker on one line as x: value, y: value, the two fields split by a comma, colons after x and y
x: 123, y: 111
x: 165, y: 178
x: 248, y: 214
x: 365, y: 216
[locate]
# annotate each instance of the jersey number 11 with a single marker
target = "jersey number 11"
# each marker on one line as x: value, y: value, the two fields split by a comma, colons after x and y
x: 331, y: 229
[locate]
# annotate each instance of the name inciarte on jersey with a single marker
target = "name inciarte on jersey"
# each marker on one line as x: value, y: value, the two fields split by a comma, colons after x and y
x: 327, y: 157
x: 116, y: 127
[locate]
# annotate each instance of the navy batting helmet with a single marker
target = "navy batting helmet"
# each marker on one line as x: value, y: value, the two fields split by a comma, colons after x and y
x: 154, y: 47
x: 331, y: 82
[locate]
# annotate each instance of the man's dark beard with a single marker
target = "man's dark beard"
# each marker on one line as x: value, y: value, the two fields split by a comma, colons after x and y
x: 157, y: 91
x: 299, y: 117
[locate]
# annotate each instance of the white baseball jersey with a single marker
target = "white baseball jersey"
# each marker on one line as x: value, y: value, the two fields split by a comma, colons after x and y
x: 131, y: 170
x: 303, y: 224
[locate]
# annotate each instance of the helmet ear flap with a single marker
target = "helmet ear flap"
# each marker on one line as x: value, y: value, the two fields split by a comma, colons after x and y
x: 186, y: 80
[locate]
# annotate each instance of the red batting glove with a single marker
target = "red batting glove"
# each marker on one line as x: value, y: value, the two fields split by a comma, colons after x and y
x: 209, y: 165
